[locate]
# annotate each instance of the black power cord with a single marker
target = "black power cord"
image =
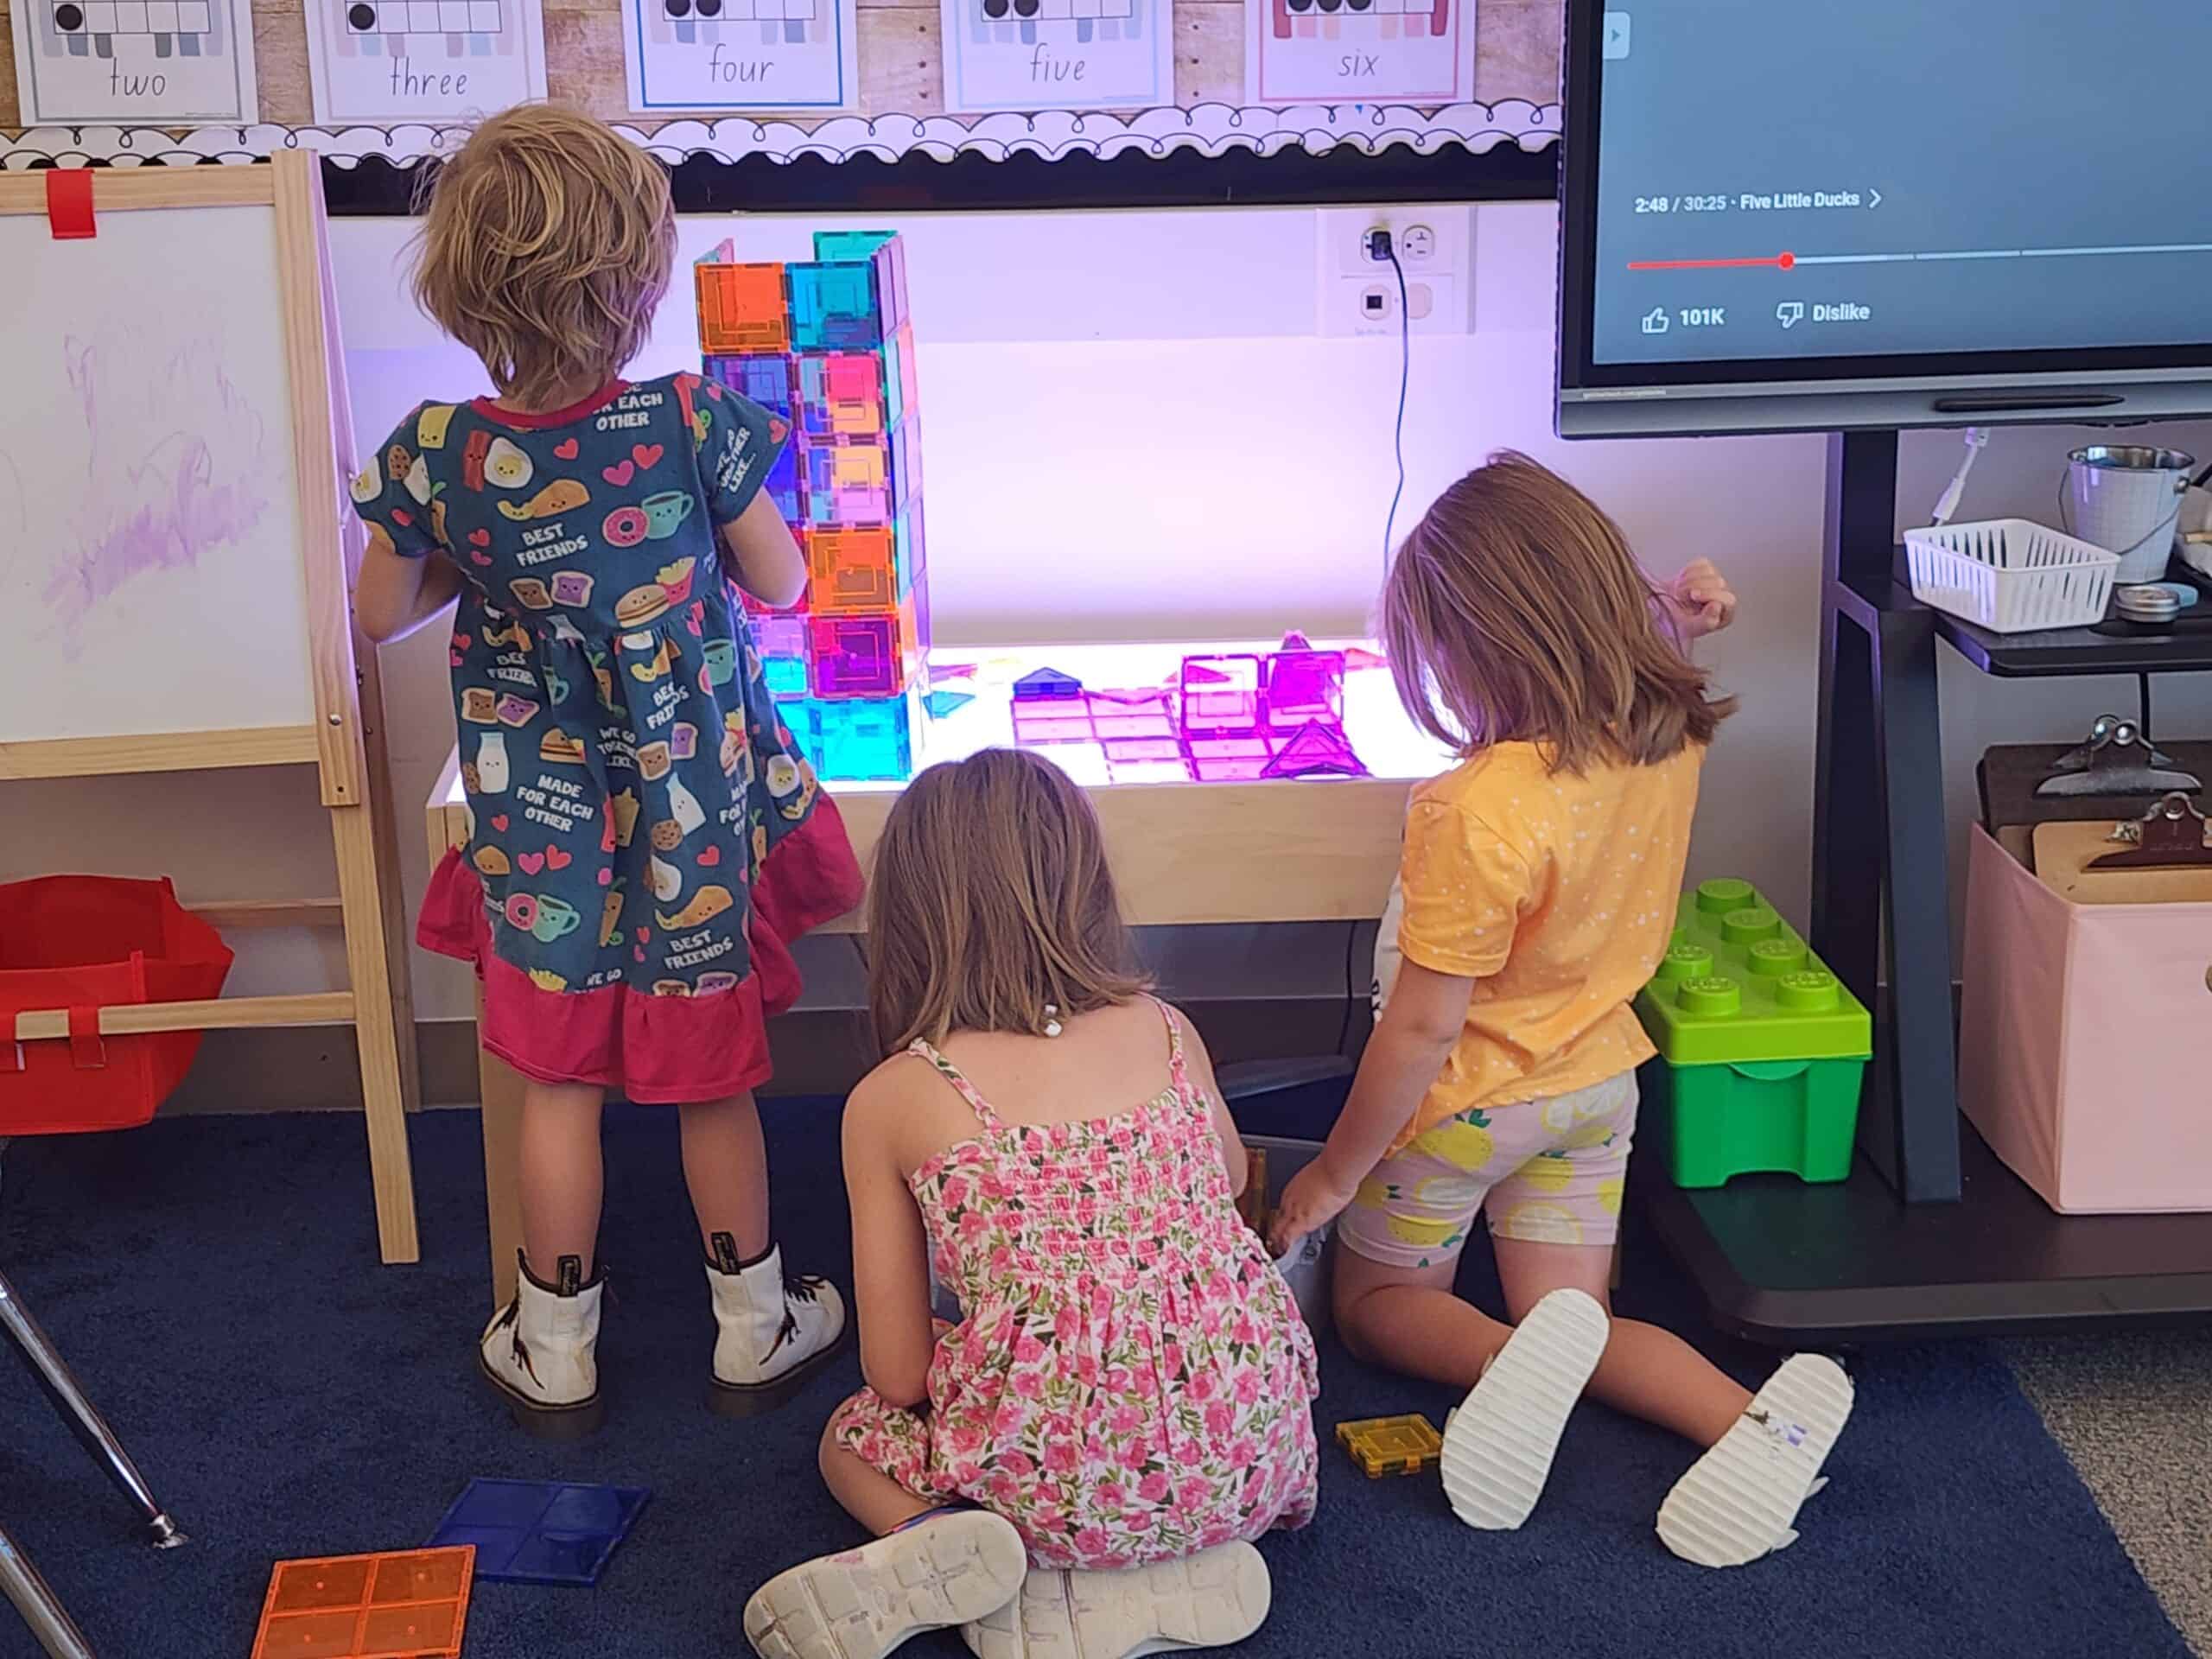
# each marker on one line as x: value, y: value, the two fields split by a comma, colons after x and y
x: 1380, y: 246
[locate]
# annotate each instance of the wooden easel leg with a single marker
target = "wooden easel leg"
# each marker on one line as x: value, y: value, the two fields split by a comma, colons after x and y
x: 375, y: 1024
x: 502, y: 1086
x: 390, y: 887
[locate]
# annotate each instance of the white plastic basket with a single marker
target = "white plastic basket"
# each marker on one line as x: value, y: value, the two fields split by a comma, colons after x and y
x: 2011, y: 575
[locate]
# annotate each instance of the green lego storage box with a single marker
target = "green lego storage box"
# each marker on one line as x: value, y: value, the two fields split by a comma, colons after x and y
x: 1762, y: 1048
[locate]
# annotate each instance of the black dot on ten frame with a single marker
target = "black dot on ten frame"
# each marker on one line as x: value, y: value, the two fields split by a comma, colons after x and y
x: 68, y: 19
x: 680, y: 9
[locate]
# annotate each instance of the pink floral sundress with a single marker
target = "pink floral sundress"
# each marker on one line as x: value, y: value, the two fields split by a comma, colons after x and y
x: 1131, y: 1382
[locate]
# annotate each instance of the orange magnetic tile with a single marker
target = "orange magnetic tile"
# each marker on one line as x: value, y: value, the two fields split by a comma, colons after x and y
x: 407, y: 1603
x: 742, y: 308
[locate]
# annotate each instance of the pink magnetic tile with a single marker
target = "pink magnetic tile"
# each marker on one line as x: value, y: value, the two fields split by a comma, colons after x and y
x: 1149, y: 699
x: 1111, y: 726
x: 1147, y: 771
x: 1144, y: 748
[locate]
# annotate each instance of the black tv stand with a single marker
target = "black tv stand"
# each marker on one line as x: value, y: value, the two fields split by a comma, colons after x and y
x: 1930, y: 1235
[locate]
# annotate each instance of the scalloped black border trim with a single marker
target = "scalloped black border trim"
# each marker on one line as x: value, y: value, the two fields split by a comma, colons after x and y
x: 375, y: 188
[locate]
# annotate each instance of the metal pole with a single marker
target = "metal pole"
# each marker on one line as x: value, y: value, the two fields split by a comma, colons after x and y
x: 77, y: 1411
x: 48, y: 1620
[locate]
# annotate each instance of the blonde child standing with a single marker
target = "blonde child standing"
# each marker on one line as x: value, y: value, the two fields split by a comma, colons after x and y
x: 1537, y: 895
x: 1125, y: 1403
x: 646, y: 837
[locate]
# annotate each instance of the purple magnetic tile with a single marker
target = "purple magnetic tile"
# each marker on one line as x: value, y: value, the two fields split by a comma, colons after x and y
x: 1304, y: 687
x: 1221, y: 695
x: 1050, y: 685
x: 1235, y: 770
x: 1149, y: 699
x: 1316, y: 751
x: 780, y: 636
x: 1226, y: 747
x: 855, y: 655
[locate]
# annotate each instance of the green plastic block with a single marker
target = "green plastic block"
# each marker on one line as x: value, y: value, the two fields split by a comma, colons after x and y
x: 1799, y: 1117
x: 1764, y: 1049
x: 1739, y: 985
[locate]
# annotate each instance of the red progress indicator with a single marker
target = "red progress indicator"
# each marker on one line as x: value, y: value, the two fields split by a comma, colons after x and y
x: 1782, y: 261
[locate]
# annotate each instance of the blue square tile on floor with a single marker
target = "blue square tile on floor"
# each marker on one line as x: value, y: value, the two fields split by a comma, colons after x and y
x: 540, y: 1531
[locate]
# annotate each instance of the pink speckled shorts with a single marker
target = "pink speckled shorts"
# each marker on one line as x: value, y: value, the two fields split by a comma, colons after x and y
x: 1549, y: 1172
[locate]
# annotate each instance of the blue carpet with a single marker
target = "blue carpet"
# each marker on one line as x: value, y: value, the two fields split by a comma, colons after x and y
x: 214, y: 1283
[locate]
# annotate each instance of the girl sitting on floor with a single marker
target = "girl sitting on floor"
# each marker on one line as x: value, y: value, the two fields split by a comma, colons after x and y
x: 1125, y: 1404
x: 1538, y: 889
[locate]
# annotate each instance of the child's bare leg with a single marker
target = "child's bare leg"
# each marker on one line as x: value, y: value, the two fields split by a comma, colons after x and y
x: 562, y: 1178
x: 726, y: 1168
x: 1408, y: 1319
x: 1645, y: 1371
x: 870, y: 1497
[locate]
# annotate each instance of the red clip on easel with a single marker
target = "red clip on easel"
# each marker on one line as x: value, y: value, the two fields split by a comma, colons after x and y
x: 69, y: 203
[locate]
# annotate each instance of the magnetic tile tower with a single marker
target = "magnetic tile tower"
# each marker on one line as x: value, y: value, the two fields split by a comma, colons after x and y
x: 827, y: 345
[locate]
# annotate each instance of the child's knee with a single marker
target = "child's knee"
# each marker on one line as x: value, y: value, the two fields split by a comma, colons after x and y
x: 828, y: 1453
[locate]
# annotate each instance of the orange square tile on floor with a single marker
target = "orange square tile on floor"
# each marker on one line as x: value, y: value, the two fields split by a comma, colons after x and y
x: 399, y: 1604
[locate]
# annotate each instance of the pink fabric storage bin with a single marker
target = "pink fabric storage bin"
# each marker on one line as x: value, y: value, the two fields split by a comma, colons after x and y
x: 2085, y: 1041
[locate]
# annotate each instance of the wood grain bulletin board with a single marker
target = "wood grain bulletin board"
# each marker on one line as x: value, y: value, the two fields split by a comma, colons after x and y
x: 1517, y: 56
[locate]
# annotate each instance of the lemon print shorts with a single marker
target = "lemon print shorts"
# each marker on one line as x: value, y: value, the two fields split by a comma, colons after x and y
x: 1547, y: 1171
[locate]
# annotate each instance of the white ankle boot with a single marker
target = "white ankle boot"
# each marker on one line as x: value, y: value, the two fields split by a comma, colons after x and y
x: 540, y: 1352
x: 775, y: 1333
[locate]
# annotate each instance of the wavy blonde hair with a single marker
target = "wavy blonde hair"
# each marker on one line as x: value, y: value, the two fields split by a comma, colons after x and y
x: 547, y: 244
x: 1516, y: 612
x: 991, y: 899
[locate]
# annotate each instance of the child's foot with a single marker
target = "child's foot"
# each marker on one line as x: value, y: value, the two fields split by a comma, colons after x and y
x: 1738, y: 1500
x: 1212, y: 1600
x: 940, y: 1571
x: 1498, y: 1446
x: 776, y: 1332
x: 541, y: 1352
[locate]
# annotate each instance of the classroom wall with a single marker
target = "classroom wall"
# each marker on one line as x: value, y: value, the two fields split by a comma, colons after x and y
x: 1133, y: 429
x: 901, y: 71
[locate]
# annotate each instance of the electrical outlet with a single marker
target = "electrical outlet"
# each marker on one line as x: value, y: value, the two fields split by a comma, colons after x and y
x: 1357, y: 293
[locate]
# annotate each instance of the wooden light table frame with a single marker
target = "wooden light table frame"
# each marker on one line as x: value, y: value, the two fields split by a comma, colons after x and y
x: 1324, y: 850
x: 345, y: 741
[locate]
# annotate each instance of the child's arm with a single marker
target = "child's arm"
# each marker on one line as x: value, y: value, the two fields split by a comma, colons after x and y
x: 738, y: 442
x: 890, y: 1278
x: 1421, y: 1023
x: 1200, y: 1067
x: 769, y: 564
x: 393, y: 596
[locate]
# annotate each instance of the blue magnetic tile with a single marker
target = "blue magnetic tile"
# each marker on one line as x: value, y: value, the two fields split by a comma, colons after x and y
x: 540, y: 1531
x: 1046, y: 684
x: 785, y: 676
x: 848, y: 244
x: 941, y: 703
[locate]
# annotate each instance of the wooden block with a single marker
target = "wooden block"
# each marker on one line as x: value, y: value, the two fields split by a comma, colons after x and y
x: 902, y: 62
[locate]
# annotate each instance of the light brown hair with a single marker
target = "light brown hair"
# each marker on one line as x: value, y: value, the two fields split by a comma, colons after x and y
x: 546, y: 246
x: 1516, y: 612
x: 990, y: 899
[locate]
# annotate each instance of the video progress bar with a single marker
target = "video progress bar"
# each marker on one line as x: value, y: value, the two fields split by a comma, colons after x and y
x: 1787, y: 261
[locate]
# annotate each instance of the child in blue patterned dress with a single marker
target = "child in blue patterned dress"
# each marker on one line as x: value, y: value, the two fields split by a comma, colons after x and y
x: 645, y: 838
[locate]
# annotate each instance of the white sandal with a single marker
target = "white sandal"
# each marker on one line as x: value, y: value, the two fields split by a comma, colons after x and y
x: 1212, y: 1599
x: 1498, y: 1445
x: 1739, y: 1500
x: 860, y: 1603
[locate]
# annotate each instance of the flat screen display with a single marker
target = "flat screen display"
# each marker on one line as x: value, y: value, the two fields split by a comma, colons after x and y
x: 1783, y: 215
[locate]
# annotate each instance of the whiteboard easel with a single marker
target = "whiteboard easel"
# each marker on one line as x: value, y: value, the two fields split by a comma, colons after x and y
x: 201, y: 620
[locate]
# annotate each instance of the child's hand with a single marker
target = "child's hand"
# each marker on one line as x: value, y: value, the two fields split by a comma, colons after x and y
x: 1312, y: 1201
x: 1700, y: 600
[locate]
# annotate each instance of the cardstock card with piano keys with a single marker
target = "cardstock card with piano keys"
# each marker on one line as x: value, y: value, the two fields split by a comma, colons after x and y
x: 378, y: 60
x: 134, y: 62
x: 753, y: 55
x: 1359, y: 51
x: 1055, y: 55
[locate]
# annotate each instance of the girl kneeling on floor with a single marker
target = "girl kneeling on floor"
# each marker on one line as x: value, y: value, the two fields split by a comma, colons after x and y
x: 1124, y: 1406
x: 1538, y: 887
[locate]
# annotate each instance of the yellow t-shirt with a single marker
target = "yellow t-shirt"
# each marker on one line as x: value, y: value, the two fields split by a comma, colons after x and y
x: 1556, y: 894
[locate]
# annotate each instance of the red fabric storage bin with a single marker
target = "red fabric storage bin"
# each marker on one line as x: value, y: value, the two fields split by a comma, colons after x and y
x: 84, y: 943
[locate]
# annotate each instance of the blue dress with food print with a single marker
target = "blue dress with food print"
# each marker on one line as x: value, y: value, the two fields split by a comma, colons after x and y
x: 644, y: 836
